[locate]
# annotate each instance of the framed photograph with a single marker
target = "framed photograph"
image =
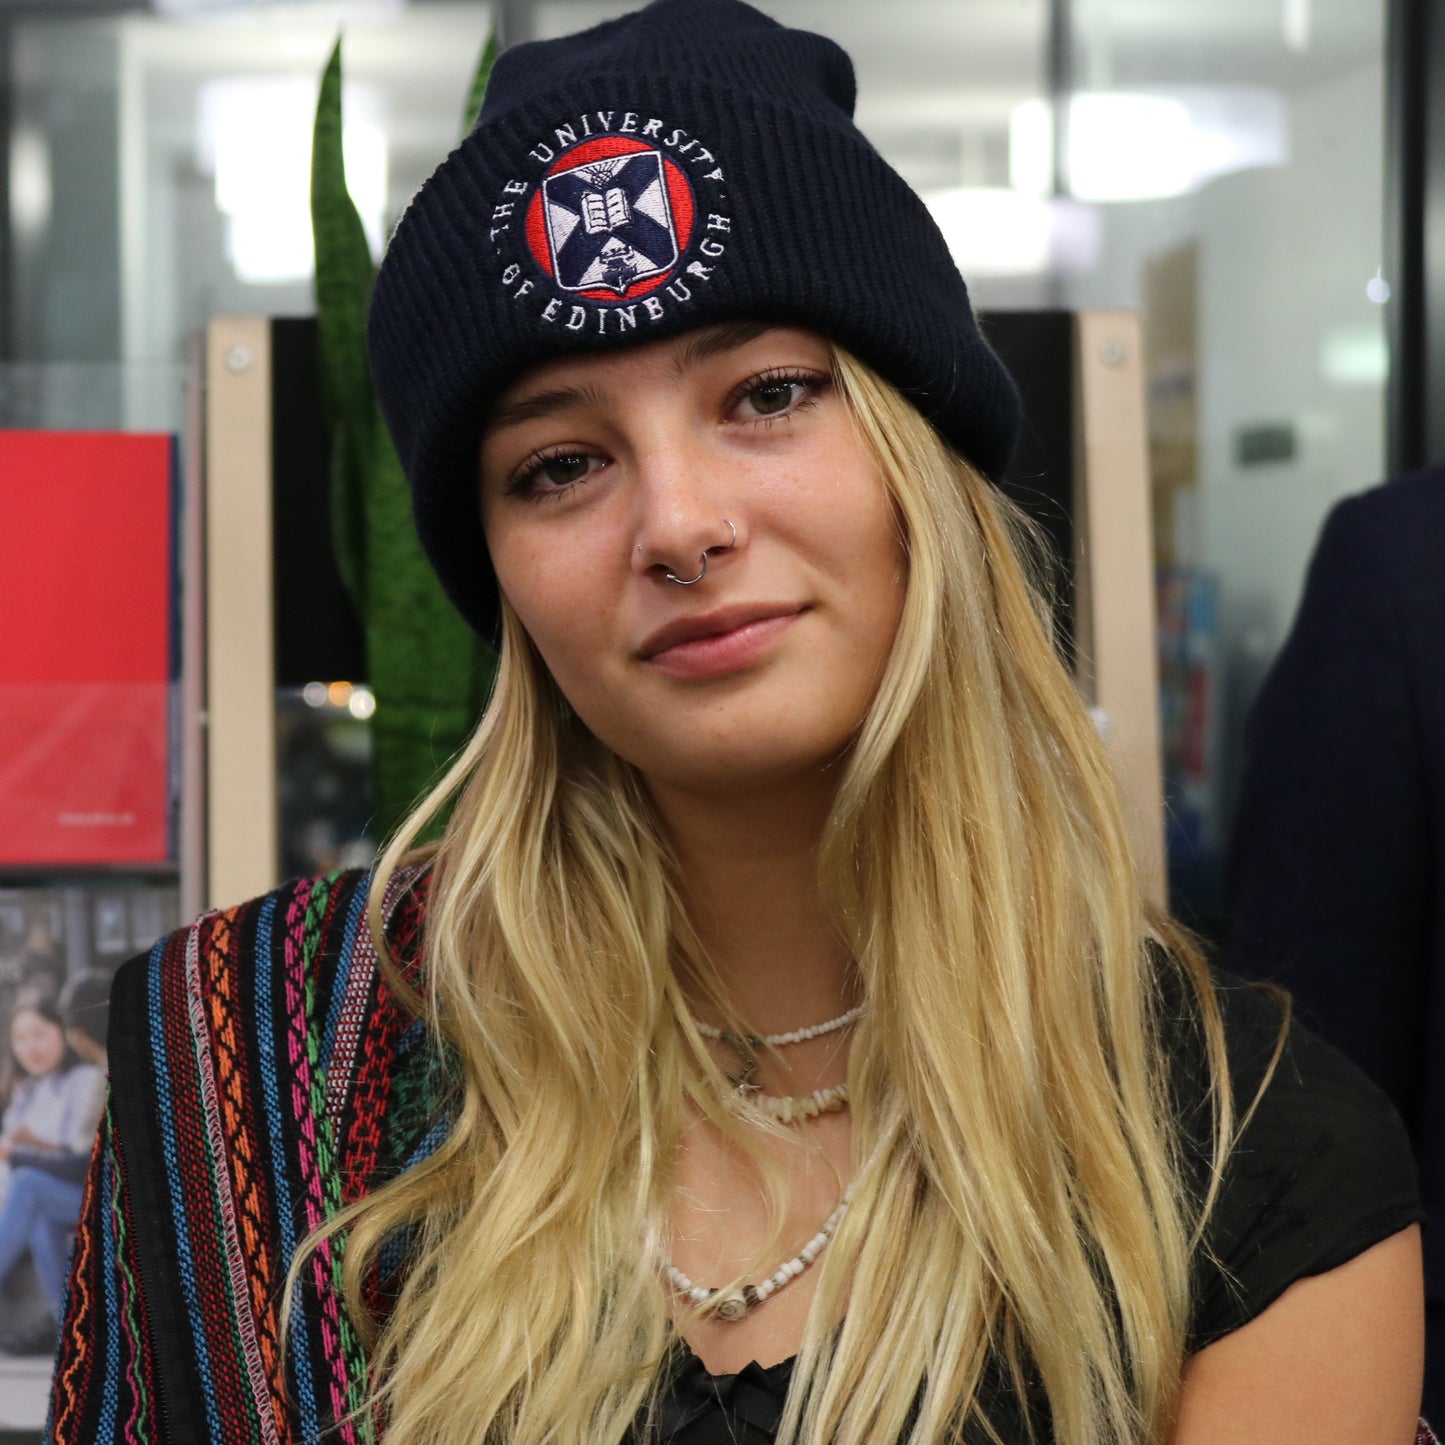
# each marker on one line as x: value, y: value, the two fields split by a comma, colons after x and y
x: 59, y: 949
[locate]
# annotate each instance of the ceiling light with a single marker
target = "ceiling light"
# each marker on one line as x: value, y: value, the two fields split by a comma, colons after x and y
x: 1138, y: 145
x: 1357, y: 356
x: 254, y: 135
x: 1121, y: 147
x: 993, y: 231
x: 1297, y: 24
x: 30, y: 192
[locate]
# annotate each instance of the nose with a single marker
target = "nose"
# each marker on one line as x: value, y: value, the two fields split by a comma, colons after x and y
x: 683, y: 524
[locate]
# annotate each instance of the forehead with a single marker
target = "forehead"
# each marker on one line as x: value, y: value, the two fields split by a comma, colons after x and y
x: 671, y: 359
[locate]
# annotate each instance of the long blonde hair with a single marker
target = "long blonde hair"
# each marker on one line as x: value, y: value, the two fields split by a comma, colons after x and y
x: 1020, y: 1194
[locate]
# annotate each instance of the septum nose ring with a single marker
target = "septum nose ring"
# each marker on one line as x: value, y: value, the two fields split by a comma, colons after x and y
x: 726, y: 547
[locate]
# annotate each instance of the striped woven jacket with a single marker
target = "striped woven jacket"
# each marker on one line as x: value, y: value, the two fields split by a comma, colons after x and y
x: 262, y: 1075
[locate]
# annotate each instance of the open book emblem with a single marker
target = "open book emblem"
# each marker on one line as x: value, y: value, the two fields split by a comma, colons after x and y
x: 609, y: 222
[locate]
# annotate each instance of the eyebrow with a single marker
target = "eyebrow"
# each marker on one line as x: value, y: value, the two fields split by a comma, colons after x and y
x: 702, y: 346
x: 714, y: 341
x: 542, y: 403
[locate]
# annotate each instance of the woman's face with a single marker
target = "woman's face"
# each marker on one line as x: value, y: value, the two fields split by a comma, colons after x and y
x: 38, y: 1043
x: 600, y: 475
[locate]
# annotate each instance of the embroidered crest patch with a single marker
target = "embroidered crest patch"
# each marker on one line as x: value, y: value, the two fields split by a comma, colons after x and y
x: 622, y: 216
x: 611, y: 218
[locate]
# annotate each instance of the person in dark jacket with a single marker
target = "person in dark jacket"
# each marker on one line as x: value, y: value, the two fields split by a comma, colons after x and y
x: 1336, y: 871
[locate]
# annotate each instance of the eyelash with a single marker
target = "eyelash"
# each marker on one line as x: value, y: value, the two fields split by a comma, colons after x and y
x: 522, y: 482
x: 812, y: 382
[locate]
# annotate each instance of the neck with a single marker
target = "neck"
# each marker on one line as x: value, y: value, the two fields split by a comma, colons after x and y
x: 749, y: 878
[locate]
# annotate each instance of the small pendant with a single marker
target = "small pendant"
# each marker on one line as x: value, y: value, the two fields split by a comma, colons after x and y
x: 735, y: 1304
x: 743, y: 1081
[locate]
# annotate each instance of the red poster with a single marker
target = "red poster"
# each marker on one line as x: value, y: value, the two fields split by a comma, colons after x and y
x: 87, y: 628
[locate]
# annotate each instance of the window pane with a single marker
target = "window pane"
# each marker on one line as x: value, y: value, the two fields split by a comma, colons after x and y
x: 1263, y: 298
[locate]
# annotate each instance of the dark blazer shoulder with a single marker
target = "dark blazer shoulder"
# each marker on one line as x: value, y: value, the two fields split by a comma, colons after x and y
x: 1392, y: 536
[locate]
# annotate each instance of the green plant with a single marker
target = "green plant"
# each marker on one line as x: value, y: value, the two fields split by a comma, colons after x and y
x: 430, y: 673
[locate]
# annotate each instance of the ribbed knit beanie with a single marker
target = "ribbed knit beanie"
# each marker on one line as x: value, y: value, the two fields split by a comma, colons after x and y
x: 689, y: 163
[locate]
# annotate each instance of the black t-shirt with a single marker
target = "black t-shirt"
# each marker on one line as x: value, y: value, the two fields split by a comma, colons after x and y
x: 1322, y: 1172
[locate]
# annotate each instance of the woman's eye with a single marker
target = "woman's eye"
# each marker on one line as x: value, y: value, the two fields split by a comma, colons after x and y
x: 560, y: 471
x: 776, y: 396
x: 550, y: 473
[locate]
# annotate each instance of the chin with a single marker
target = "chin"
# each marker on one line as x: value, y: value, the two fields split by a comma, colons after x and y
x: 735, y: 745
x: 734, y: 770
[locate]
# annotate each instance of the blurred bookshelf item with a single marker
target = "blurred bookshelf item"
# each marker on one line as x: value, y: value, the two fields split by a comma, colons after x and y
x: 1189, y: 708
x: 88, y: 648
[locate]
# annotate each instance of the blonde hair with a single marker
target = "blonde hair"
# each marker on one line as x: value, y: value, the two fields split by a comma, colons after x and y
x: 1020, y: 1194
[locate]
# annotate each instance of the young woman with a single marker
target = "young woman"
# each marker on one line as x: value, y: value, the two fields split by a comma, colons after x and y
x: 54, y: 1100
x: 775, y: 1046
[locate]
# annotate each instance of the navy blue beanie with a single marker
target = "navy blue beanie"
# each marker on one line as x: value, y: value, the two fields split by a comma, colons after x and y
x: 690, y: 163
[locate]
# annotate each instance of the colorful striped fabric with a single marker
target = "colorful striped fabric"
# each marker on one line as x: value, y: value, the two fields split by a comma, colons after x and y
x: 280, y: 1079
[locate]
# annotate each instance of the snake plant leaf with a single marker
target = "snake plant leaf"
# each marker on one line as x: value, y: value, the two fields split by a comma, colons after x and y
x: 348, y: 514
x: 344, y: 276
x: 478, y: 92
x: 428, y: 670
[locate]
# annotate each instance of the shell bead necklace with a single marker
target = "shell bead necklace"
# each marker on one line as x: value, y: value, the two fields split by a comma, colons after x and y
x: 737, y: 1304
x: 795, y: 1108
x: 777, y: 1041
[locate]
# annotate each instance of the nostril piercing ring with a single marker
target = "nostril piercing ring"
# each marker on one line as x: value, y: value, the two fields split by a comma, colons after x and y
x: 689, y: 581
x: 692, y: 581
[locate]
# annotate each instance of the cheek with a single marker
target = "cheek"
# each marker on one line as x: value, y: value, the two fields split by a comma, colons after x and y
x: 865, y: 547
x: 560, y: 599
x: 876, y: 568
x: 541, y: 582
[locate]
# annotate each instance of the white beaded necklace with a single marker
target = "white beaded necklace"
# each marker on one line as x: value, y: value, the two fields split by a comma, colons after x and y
x: 777, y: 1041
x: 795, y: 1108
x: 736, y: 1304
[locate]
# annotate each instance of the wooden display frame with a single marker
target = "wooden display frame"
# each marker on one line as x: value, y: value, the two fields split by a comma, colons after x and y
x: 1116, y: 626
x: 242, y: 846
x: 1111, y: 610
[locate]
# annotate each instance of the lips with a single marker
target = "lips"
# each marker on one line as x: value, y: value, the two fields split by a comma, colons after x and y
x: 718, y: 641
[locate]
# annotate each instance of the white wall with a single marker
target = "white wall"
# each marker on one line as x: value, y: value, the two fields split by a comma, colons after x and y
x: 1286, y: 334
x: 1284, y: 261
